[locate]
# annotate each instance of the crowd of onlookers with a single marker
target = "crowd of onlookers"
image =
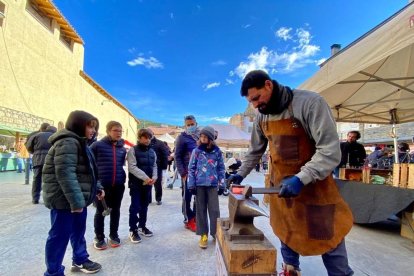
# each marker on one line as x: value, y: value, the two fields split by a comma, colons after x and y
x: 74, y: 170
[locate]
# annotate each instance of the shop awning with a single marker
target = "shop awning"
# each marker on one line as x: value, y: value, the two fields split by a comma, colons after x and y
x: 372, y: 79
x: 11, y: 131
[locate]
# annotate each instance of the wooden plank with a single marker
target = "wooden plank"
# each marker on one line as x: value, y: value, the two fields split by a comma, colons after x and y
x: 407, y: 226
x: 366, y: 175
x: 403, y: 175
x: 342, y: 173
x: 396, y: 175
x: 410, y: 183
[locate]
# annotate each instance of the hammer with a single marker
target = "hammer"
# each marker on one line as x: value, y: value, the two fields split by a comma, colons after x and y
x: 106, y: 211
x: 248, y: 190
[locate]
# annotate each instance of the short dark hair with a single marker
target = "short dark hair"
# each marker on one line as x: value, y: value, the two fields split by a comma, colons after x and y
x: 111, y: 124
x: 144, y: 132
x: 358, y: 134
x: 189, y: 117
x: 44, y: 126
x: 254, y: 79
x: 403, y: 147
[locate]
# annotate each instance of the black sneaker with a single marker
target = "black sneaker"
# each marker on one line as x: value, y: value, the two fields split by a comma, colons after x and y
x: 134, y: 237
x: 114, y: 241
x: 159, y: 202
x: 87, y: 267
x: 99, y: 244
x: 145, y: 231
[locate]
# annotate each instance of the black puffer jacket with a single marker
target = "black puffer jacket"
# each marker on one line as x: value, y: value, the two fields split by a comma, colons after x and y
x: 39, y: 146
x: 110, y: 159
x: 161, y: 150
x: 69, y: 172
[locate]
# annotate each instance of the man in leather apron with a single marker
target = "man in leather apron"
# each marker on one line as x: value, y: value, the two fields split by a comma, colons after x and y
x: 309, y: 216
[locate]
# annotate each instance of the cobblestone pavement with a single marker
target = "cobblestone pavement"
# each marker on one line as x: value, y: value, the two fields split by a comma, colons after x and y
x: 173, y: 250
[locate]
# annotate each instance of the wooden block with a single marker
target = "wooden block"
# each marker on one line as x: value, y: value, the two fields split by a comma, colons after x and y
x: 342, y: 173
x: 366, y: 175
x: 410, y: 183
x: 396, y: 175
x: 403, y: 175
x: 407, y: 226
x: 244, y: 258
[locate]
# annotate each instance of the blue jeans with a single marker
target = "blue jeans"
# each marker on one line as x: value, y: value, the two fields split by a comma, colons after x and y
x: 20, y: 164
x: 65, y: 226
x: 140, y: 196
x: 335, y: 261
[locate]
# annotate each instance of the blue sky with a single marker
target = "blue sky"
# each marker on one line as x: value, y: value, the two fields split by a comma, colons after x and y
x: 166, y: 59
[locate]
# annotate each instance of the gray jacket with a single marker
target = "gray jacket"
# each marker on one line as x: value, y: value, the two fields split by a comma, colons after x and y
x: 315, y: 116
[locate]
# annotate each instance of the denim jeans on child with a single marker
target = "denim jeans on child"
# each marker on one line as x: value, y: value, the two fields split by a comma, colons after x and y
x: 65, y: 226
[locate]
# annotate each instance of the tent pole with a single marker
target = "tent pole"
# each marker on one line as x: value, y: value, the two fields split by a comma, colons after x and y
x: 394, y: 134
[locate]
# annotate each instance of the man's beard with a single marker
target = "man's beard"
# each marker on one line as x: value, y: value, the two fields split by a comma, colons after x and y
x: 279, y: 100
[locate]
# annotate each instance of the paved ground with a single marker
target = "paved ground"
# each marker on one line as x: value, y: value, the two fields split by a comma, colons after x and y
x: 373, y: 250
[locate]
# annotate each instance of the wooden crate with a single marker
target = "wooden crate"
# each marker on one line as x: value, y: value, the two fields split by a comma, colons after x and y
x: 237, y: 258
x: 403, y: 175
x: 350, y: 174
x: 407, y: 225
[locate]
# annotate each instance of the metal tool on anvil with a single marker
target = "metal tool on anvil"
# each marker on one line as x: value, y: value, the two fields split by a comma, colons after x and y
x: 248, y: 190
x: 106, y: 211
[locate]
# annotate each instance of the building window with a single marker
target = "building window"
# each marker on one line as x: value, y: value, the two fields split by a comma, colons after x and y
x: 2, y: 13
x: 37, y: 13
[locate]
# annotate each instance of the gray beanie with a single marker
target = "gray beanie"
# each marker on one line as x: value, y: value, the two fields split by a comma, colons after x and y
x: 209, y: 132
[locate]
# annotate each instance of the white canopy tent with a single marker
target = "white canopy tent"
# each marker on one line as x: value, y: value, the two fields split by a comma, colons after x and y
x: 167, y: 138
x: 372, y: 79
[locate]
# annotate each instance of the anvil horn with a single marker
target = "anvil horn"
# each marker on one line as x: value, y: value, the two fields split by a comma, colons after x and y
x: 248, y: 208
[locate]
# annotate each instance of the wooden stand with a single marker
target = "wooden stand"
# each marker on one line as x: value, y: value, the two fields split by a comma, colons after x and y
x: 241, y: 257
x: 403, y: 175
x: 407, y: 225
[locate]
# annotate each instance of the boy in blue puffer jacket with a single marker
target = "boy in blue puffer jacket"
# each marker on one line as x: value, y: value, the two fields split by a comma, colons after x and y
x: 205, y: 176
x: 110, y: 156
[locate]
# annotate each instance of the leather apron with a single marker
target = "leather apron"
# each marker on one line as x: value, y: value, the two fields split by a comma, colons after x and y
x: 317, y: 220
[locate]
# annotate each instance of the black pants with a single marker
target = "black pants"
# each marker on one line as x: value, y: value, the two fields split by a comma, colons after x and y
x: 207, y: 200
x: 158, y: 186
x: 140, y: 196
x: 113, y: 198
x: 37, y: 182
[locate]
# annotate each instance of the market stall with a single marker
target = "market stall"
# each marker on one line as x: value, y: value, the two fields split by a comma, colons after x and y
x: 372, y: 81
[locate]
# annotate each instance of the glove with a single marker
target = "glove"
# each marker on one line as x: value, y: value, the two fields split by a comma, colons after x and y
x: 220, y: 189
x: 193, y: 190
x: 234, y: 179
x: 290, y: 187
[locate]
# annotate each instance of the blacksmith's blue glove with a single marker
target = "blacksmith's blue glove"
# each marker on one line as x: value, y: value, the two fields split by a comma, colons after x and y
x: 290, y: 187
x: 234, y: 179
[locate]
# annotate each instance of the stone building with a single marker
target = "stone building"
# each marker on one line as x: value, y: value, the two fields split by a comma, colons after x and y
x: 244, y: 120
x: 42, y: 76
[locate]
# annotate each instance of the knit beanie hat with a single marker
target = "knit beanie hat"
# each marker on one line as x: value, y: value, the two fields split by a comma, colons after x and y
x: 209, y: 132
